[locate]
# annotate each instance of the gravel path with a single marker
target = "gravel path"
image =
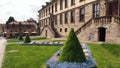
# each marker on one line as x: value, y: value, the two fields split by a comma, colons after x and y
x: 2, y: 49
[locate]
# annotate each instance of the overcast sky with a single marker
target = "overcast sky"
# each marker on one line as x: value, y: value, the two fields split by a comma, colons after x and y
x: 20, y: 9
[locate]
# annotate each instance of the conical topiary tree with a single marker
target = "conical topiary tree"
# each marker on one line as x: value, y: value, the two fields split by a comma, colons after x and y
x: 72, y: 50
x: 27, y: 39
x: 16, y: 36
x: 20, y: 38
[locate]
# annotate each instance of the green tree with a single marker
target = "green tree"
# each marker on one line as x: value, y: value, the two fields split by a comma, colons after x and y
x: 72, y: 50
x: 11, y: 19
x: 16, y: 35
x: 20, y: 38
x: 27, y: 39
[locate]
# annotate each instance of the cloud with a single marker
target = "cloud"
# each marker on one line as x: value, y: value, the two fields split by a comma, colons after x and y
x: 20, y: 9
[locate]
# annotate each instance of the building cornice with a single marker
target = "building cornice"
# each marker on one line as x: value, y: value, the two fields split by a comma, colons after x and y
x: 47, y: 4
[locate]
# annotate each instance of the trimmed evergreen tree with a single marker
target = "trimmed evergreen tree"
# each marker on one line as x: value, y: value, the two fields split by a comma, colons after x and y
x: 16, y: 36
x: 72, y: 50
x: 27, y: 39
x: 20, y: 38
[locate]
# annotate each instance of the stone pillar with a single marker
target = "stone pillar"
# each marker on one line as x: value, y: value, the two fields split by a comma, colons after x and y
x: 103, y: 8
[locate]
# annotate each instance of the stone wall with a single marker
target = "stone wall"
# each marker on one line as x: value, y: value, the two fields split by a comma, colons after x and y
x: 112, y: 32
x: 77, y: 24
x: 103, y: 8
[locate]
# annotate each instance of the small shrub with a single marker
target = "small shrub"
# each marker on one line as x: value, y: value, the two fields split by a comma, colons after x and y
x: 16, y: 35
x: 20, y: 38
x: 72, y: 50
x: 27, y: 39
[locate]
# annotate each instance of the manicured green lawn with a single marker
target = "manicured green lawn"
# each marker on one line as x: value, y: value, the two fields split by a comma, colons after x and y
x: 17, y: 56
x: 106, y: 55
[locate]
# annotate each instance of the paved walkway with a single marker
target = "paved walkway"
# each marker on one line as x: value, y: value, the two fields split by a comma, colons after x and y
x: 2, y: 49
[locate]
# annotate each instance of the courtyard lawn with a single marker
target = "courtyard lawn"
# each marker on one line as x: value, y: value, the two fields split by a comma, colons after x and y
x: 106, y: 55
x: 17, y: 56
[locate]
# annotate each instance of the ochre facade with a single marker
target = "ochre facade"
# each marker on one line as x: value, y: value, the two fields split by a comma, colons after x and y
x: 92, y: 20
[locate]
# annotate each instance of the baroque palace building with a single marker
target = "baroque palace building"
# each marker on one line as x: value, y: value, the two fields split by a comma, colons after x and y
x: 92, y: 20
x: 16, y: 28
